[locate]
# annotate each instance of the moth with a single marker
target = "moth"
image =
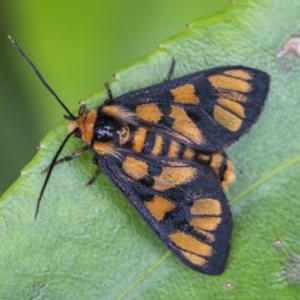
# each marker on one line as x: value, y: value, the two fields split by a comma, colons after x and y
x: 163, y: 147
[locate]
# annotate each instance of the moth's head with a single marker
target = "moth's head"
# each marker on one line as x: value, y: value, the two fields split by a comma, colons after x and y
x: 109, y: 124
x: 82, y: 126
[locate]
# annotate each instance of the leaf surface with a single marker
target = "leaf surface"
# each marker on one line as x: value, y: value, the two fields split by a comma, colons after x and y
x: 88, y: 243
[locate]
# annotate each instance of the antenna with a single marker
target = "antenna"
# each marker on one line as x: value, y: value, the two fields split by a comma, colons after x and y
x: 70, y: 117
x: 41, y: 78
x: 52, y: 165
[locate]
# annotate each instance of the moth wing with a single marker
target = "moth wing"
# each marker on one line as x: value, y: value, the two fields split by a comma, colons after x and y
x: 182, y: 202
x: 208, y: 110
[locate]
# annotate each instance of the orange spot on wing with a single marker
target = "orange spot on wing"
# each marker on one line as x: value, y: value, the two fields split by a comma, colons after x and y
x: 206, y: 206
x: 232, y: 106
x: 185, y: 94
x: 149, y: 112
x: 228, y: 176
x: 190, y: 244
x: 135, y: 168
x: 203, y: 157
x: 239, y: 74
x: 159, y: 207
x: 206, y: 223
x: 184, y: 125
x: 194, y: 259
x: 227, y: 119
x: 173, y: 176
x: 230, y: 83
x: 188, y: 153
x: 216, y: 162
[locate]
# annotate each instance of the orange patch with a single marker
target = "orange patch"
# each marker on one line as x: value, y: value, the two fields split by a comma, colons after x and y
x: 227, y: 119
x: 190, y: 244
x: 194, y: 259
x: 230, y: 83
x: 228, y: 176
x: 216, y: 162
x: 185, y: 94
x: 184, y: 125
x: 188, y: 153
x: 120, y: 113
x: 149, y: 112
x: 107, y: 148
x: 158, y: 144
x: 173, y: 176
x: 72, y: 125
x: 174, y: 148
x: 232, y: 106
x: 135, y: 168
x: 85, y: 124
x: 239, y: 74
x: 206, y: 206
x: 206, y: 223
x: 139, y: 139
x: 159, y: 207
x: 203, y: 157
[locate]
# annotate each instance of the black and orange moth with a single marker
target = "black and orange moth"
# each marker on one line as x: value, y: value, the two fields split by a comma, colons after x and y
x: 163, y: 147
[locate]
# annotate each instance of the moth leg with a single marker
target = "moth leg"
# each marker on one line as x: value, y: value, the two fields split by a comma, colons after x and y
x: 94, y: 177
x: 68, y: 157
x: 108, y: 90
x: 171, y: 70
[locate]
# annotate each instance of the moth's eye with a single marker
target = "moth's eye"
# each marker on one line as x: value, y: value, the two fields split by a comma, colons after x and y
x: 77, y: 133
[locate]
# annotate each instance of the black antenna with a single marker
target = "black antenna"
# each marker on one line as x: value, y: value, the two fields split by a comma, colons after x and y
x: 41, y: 78
x: 70, y: 117
x: 50, y: 169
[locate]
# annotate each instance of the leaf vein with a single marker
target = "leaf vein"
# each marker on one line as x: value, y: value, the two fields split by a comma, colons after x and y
x: 268, y: 176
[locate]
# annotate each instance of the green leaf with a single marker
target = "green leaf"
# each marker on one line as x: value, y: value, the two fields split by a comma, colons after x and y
x: 90, y: 244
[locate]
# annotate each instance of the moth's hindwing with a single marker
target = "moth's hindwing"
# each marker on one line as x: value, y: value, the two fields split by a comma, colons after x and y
x: 208, y: 110
x: 183, y: 203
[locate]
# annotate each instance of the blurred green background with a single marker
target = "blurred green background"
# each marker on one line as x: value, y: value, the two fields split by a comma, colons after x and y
x: 77, y: 45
